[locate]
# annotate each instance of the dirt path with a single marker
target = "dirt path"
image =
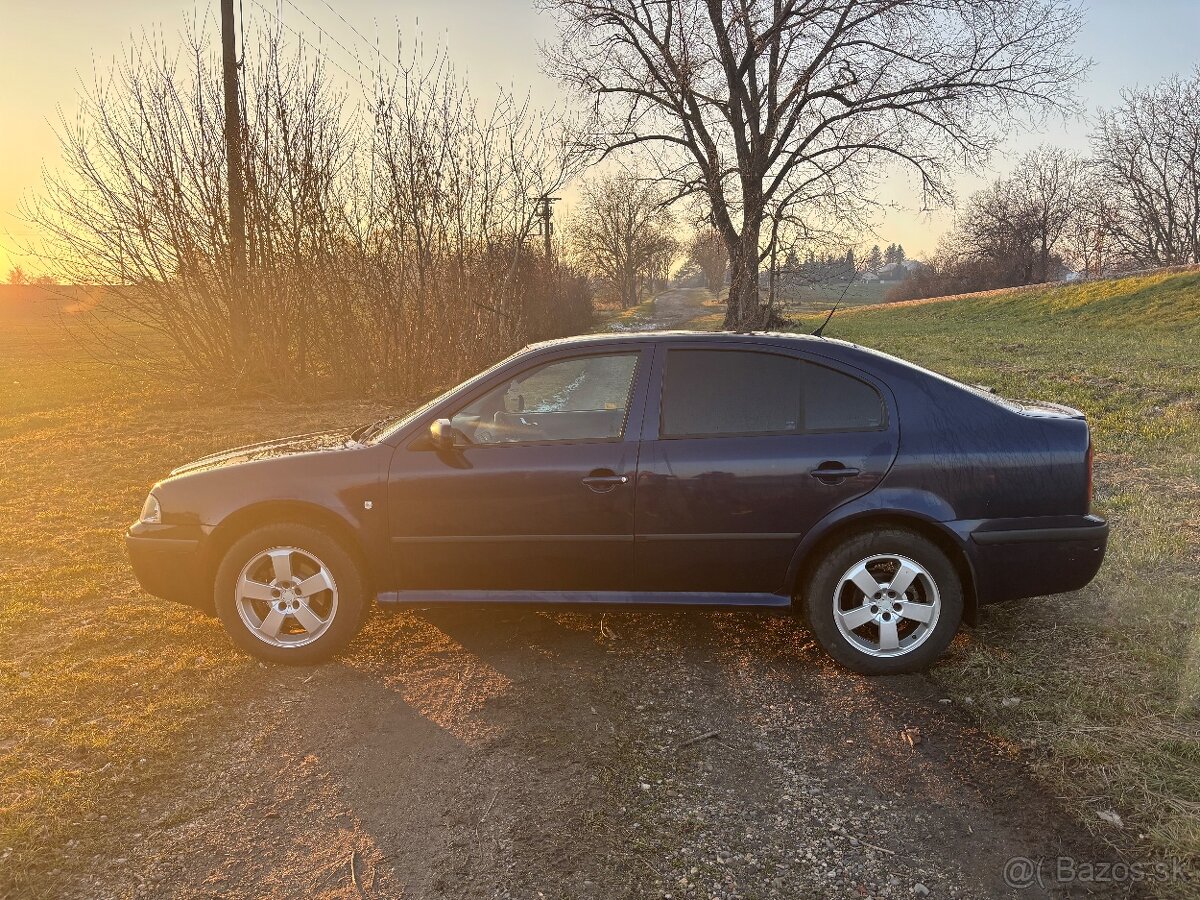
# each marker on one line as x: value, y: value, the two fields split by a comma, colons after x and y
x: 673, y: 309
x: 474, y: 753
x: 525, y: 754
x: 676, y: 308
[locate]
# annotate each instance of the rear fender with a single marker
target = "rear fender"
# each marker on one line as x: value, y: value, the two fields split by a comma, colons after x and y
x: 923, y: 511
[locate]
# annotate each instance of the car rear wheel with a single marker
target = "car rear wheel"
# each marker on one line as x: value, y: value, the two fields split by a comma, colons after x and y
x: 290, y: 593
x: 884, y: 602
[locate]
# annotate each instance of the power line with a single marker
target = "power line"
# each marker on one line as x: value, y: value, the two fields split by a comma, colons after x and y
x: 308, y: 43
x: 325, y: 33
x: 360, y: 35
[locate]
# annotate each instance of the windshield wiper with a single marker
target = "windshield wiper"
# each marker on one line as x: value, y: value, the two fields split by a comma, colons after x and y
x: 365, y: 432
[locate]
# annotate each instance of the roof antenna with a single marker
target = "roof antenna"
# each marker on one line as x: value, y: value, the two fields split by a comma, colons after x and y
x: 821, y: 328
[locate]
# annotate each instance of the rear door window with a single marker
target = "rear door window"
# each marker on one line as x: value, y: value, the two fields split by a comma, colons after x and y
x: 714, y: 392
x: 732, y: 392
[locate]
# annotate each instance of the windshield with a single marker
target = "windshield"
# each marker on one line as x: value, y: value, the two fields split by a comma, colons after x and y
x: 386, y: 427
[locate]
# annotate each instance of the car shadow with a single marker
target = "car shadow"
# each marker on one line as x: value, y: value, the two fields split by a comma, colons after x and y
x: 474, y: 751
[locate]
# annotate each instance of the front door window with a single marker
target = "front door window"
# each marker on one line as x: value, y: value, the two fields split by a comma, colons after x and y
x: 581, y: 399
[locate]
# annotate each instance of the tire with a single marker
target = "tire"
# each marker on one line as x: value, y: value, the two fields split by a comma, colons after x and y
x: 254, y: 584
x: 884, y: 632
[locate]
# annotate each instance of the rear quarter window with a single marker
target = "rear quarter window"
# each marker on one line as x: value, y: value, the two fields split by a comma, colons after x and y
x: 834, y: 401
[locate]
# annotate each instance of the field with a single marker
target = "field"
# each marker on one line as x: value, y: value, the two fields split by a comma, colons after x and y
x: 1107, y: 681
x: 140, y: 755
x: 818, y: 297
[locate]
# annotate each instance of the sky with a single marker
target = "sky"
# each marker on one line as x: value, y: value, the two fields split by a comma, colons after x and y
x: 50, y: 48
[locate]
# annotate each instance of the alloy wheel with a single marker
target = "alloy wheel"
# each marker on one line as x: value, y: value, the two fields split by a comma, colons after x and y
x: 286, y: 597
x: 886, y: 605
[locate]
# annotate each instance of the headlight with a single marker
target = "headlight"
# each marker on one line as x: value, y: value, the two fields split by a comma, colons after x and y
x: 151, y: 511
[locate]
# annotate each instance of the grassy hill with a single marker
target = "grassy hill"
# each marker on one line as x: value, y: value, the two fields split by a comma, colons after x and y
x: 1107, y: 681
x: 1123, y: 351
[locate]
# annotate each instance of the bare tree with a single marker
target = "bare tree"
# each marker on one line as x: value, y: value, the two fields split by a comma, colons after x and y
x: 1147, y: 160
x: 1015, y: 225
x: 622, y: 232
x: 706, y: 250
x: 1048, y: 183
x: 16, y: 275
x: 755, y: 104
x: 997, y: 233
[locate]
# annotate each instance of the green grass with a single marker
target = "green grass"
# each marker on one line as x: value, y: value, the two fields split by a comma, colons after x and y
x: 1108, y: 679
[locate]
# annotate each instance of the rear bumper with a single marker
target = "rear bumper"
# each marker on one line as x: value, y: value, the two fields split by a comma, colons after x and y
x: 167, y: 560
x: 1016, y: 558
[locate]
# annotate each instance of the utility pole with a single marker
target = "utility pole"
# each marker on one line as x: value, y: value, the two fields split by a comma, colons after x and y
x: 547, y: 212
x: 238, y: 325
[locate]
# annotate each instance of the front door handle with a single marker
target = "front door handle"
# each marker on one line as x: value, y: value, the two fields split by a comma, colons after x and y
x: 833, y: 473
x: 603, y: 480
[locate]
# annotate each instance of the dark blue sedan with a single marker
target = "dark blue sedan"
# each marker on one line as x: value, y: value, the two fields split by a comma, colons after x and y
x: 883, y: 501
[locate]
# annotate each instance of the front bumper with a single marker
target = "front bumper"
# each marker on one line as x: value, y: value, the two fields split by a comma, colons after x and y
x: 168, y: 562
x: 1031, y: 557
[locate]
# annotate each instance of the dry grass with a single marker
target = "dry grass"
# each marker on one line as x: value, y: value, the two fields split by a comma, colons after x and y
x: 1108, y: 679
x: 625, y: 318
x: 93, y: 713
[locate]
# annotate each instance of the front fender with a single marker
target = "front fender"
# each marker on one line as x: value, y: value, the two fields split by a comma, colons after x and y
x: 343, y: 487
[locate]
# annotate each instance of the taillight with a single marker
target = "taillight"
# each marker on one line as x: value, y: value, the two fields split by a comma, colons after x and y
x: 1089, y: 474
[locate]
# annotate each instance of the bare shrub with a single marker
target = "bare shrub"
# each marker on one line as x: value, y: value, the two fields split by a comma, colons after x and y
x: 386, y: 237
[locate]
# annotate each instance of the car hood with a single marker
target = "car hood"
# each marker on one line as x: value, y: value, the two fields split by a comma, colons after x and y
x: 317, y: 442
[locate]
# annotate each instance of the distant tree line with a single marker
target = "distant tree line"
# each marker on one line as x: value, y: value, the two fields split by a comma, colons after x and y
x: 17, y: 275
x: 1133, y: 202
x: 706, y: 251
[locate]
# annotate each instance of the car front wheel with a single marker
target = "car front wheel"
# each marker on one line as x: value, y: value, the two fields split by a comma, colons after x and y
x: 884, y: 602
x: 290, y: 593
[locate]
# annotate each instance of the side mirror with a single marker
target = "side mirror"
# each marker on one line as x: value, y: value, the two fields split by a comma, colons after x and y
x: 441, y: 432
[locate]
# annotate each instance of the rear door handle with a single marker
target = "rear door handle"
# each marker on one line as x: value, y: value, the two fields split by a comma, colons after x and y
x: 832, y: 473
x: 603, y: 480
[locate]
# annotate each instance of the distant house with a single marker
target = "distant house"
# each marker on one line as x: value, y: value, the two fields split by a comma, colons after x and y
x: 901, y: 270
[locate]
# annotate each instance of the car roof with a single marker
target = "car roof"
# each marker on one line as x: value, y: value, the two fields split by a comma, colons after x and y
x: 874, y: 361
x: 635, y: 337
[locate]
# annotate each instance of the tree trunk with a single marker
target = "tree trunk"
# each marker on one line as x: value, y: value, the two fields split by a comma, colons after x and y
x: 743, y: 312
x: 628, y: 288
